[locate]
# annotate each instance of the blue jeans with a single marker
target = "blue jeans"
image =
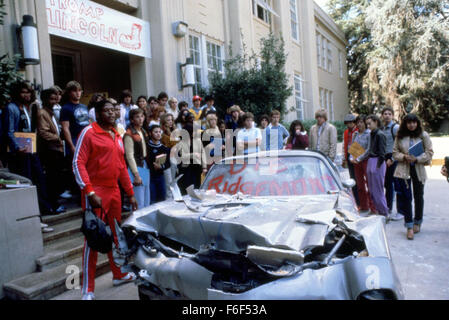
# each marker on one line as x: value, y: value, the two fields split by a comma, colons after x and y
x: 142, y: 193
x: 389, y: 187
x: 157, y: 189
x: 405, y: 196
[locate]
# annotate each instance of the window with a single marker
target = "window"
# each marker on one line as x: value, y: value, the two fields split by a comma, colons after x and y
x: 331, y: 105
x: 327, y: 102
x: 294, y: 19
x: 318, y: 50
x: 324, y: 53
x: 329, y: 57
x: 214, y: 57
x: 262, y: 9
x: 195, y: 53
x: 299, y: 96
x: 340, y: 63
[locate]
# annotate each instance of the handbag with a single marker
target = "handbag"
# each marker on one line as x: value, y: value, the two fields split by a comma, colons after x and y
x: 98, y: 234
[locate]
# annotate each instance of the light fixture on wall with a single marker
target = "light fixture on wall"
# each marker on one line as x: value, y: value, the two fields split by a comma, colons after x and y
x: 179, y: 29
x: 186, y: 78
x: 28, y: 41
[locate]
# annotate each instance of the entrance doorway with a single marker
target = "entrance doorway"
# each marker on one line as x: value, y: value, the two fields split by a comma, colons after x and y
x: 96, y: 69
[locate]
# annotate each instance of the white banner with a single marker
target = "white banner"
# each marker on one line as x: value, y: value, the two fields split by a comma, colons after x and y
x: 90, y: 22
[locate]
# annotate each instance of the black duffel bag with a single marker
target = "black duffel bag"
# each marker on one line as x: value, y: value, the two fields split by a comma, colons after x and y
x: 98, y: 234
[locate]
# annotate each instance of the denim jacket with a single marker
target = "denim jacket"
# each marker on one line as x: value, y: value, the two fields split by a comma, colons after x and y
x: 12, y: 119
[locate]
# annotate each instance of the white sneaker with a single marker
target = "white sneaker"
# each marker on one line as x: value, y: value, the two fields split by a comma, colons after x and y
x: 66, y: 195
x: 88, y: 296
x: 396, y: 216
x: 46, y: 229
x: 130, y: 277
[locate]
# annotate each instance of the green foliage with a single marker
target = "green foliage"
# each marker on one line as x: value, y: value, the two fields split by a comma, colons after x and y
x: 2, y: 11
x: 398, y: 55
x: 8, y: 75
x: 8, y: 72
x: 256, y: 83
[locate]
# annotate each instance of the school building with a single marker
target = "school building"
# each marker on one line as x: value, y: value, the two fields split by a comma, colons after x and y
x: 111, y: 45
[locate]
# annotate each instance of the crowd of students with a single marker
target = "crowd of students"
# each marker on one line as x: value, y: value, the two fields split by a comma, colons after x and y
x: 148, y: 131
x: 100, y: 152
x: 389, y: 166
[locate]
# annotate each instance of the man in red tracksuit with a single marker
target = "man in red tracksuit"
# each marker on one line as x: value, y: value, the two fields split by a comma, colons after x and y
x: 98, y: 164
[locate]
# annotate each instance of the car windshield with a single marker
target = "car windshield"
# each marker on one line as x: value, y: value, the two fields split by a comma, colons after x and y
x: 283, y: 176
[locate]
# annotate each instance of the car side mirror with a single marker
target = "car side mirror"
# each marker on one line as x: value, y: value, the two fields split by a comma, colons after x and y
x: 350, y: 183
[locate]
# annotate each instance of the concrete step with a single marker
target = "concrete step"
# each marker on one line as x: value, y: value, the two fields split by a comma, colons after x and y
x: 59, y: 252
x: 48, y: 284
x: 62, y: 244
x: 63, y: 217
x: 63, y: 230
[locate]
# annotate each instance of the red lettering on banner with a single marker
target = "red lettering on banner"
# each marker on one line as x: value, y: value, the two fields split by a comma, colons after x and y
x: 73, y: 5
x: 62, y: 4
x: 113, y: 35
x: 72, y: 26
x: 278, y: 190
x: 225, y: 187
x: 232, y: 172
x: 102, y: 33
x: 250, y: 189
x: 215, y: 183
x: 233, y: 188
x: 295, y: 189
x: 82, y: 26
x: 93, y: 29
x: 259, y: 187
x: 64, y: 21
x: 99, y: 12
x: 53, y: 18
x: 316, y: 184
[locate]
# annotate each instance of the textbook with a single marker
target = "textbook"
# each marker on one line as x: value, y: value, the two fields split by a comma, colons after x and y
x: 416, y: 150
x: 160, y: 159
x: 356, y: 150
x: 26, y: 140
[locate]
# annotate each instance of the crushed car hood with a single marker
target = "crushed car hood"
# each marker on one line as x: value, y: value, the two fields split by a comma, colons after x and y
x: 291, y: 223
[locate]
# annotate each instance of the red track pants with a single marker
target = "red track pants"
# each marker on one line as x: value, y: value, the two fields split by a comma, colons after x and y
x: 112, y: 204
x: 362, y: 186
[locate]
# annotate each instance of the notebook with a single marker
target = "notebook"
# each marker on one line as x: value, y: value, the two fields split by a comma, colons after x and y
x: 416, y: 150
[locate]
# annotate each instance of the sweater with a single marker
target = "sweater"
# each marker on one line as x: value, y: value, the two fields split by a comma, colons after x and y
x: 155, y: 149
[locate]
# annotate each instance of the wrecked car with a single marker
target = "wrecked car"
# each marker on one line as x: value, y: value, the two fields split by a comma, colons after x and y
x: 277, y: 225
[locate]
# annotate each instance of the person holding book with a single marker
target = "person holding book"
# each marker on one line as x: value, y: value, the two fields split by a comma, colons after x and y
x: 413, y: 150
x: 136, y: 139
x: 159, y: 160
x: 19, y: 133
x: 376, y: 167
x: 358, y: 157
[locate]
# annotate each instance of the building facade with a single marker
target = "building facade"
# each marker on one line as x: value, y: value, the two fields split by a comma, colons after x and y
x: 111, y: 45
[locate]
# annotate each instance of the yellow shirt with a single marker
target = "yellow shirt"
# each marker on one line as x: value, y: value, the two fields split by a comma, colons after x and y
x: 196, y: 115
